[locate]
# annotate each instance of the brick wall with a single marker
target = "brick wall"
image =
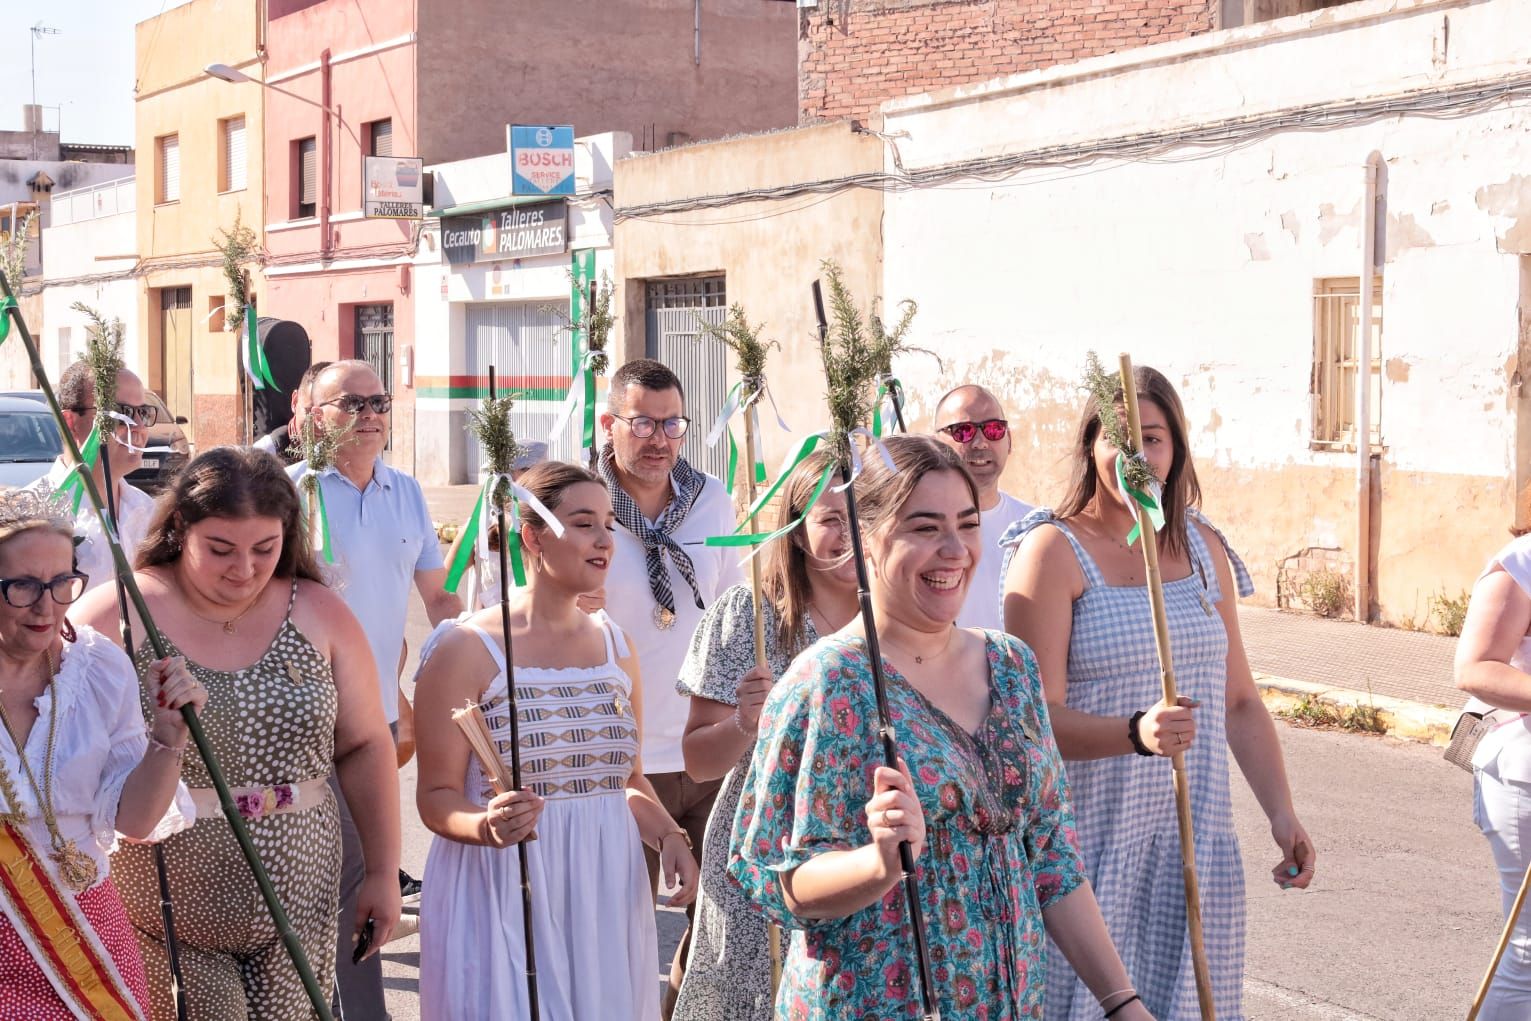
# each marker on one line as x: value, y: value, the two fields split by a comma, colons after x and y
x: 854, y: 54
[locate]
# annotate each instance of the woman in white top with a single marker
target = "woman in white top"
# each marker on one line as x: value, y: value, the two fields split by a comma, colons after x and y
x: 1494, y: 667
x: 69, y: 700
x: 587, y: 805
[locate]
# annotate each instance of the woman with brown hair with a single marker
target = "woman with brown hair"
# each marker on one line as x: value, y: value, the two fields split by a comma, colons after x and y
x: 1075, y: 592
x: 978, y: 792
x: 586, y: 802
x: 808, y: 589
x: 230, y: 581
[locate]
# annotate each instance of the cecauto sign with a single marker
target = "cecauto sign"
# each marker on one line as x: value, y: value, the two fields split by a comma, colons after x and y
x: 541, y: 159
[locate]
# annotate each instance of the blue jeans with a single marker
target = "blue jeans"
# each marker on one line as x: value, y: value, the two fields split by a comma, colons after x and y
x: 1502, y: 810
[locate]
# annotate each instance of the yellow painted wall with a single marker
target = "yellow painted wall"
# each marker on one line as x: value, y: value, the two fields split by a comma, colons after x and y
x: 176, y: 239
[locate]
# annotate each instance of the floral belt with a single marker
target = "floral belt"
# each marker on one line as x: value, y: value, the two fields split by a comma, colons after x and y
x: 258, y: 802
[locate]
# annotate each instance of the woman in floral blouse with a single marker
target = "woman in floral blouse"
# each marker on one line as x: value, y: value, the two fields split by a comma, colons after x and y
x: 979, y: 793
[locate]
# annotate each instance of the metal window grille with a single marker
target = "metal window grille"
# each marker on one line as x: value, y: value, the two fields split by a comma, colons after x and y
x: 676, y: 311
x: 374, y: 345
x: 1336, y: 332
x: 235, y: 165
x: 308, y: 176
x: 528, y: 347
x: 170, y: 169
x: 382, y: 137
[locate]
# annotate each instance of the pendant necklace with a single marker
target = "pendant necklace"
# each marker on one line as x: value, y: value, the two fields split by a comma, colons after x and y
x: 227, y: 625
x: 77, y: 869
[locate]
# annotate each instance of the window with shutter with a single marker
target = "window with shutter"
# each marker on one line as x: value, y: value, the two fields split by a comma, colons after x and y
x: 234, y: 160
x: 382, y: 138
x: 307, y: 184
x: 169, y: 169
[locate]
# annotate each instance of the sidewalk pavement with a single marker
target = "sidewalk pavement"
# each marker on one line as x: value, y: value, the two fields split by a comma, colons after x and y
x: 1406, y: 676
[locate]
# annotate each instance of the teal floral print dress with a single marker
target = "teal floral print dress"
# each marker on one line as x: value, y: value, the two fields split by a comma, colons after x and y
x: 1000, y: 843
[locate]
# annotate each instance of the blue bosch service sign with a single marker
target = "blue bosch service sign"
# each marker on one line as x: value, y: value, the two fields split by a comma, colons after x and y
x: 542, y: 159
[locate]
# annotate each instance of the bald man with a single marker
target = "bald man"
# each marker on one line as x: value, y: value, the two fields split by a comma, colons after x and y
x: 972, y: 422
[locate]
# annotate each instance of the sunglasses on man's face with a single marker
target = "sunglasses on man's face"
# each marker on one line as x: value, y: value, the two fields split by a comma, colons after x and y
x: 352, y: 404
x: 140, y: 414
x: 993, y: 429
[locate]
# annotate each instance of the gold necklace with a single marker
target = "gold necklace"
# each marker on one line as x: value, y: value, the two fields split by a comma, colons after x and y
x: 227, y: 625
x: 77, y: 869
x: 936, y: 655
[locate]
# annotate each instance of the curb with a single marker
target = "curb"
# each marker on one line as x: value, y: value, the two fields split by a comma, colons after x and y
x: 1408, y: 721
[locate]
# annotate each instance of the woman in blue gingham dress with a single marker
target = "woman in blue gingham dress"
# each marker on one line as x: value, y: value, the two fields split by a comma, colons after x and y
x: 1075, y: 590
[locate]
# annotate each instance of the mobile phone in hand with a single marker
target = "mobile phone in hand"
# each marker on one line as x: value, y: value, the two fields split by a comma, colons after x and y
x: 364, y: 943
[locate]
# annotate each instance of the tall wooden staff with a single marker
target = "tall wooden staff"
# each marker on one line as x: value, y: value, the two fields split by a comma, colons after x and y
x: 492, y: 426
x: 317, y: 997
x: 105, y: 356
x: 850, y: 375
x: 1504, y: 942
x: 1149, y: 542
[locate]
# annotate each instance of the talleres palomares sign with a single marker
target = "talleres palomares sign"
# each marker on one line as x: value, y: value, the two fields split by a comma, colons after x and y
x: 515, y: 233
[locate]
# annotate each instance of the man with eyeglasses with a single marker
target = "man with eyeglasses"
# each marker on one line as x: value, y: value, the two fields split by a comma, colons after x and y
x: 972, y: 422
x: 662, y: 578
x: 77, y: 396
x: 384, y: 543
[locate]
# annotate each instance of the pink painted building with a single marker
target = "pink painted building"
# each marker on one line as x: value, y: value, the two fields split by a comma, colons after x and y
x: 441, y: 79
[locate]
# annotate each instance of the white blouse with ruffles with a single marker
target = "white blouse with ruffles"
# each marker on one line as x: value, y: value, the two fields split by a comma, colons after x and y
x: 100, y: 740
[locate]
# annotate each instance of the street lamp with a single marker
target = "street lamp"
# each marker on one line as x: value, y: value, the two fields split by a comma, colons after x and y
x: 225, y: 73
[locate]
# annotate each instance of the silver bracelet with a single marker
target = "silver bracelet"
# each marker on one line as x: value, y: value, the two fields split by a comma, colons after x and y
x: 178, y: 752
x: 739, y: 725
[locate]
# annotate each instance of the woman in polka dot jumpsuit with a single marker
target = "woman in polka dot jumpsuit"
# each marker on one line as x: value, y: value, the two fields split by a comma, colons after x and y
x: 229, y: 579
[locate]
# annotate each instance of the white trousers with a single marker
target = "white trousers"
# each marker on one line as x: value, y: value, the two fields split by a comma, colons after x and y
x: 1502, y: 810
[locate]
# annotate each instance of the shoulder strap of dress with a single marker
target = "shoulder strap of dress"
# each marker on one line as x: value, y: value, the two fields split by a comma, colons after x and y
x: 495, y: 652
x: 616, y: 641
x: 292, y: 597
x: 1241, y: 579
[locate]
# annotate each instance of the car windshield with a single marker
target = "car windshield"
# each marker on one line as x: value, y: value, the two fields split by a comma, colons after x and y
x: 25, y: 436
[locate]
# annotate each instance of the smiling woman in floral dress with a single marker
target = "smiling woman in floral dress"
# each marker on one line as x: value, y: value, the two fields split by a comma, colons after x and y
x: 979, y: 795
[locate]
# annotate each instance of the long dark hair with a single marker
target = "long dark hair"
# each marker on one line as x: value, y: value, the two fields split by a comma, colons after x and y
x: 231, y: 482
x: 1181, y: 490
x: 784, y: 576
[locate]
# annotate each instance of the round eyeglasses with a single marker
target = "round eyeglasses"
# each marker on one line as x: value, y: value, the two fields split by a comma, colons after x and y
x: 643, y: 426
x: 25, y: 593
x: 993, y: 429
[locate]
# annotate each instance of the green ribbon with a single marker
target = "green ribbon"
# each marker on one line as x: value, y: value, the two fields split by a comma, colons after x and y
x: 465, y: 543
x: 885, y: 386
x: 255, y: 355
x: 733, y: 465
x: 1149, y: 501
x: 473, y: 537
x: 6, y: 305
x: 315, y: 493
x: 795, y: 458
x: 74, y: 482
x: 764, y: 538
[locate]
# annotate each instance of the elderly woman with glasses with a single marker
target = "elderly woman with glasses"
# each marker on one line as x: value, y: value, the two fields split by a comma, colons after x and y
x: 77, y: 394
x: 77, y: 767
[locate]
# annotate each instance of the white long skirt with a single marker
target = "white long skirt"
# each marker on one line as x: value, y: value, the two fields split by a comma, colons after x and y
x: 597, y: 952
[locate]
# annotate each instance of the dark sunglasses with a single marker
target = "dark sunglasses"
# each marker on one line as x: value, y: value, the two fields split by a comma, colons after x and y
x: 352, y: 404
x: 25, y: 593
x: 140, y: 414
x: 643, y: 426
x: 994, y: 430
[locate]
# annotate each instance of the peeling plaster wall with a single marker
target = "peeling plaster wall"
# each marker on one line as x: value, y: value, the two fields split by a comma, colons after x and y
x: 1202, y: 263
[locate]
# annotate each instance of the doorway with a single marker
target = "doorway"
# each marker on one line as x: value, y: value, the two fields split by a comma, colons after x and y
x: 175, y: 375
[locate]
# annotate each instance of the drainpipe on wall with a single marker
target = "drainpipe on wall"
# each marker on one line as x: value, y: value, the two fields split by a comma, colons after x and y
x: 326, y: 141
x: 1363, y: 432
x: 697, y: 34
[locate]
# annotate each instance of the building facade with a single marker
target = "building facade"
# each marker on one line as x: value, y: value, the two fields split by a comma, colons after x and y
x: 90, y: 252
x: 200, y: 174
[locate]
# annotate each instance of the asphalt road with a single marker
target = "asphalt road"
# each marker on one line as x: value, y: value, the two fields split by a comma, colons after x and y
x: 1398, y: 925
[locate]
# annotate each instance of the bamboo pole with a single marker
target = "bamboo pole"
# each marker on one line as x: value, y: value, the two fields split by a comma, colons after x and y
x: 514, y: 712
x: 928, y: 1001
x: 773, y: 931
x: 1148, y: 539
x: 1504, y: 942
x: 290, y: 942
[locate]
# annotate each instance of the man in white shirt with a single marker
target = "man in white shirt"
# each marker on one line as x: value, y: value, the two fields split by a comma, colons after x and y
x: 662, y: 578
x: 77, y: 397
x: 971, y: 421
x: 384, y: 542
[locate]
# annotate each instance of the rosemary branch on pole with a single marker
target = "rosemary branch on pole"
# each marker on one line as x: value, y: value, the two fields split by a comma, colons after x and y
x: 318, y: 998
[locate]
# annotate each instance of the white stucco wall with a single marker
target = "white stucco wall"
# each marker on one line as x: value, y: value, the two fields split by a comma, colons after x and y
x: 1201, y: 260
x: 93, y: 240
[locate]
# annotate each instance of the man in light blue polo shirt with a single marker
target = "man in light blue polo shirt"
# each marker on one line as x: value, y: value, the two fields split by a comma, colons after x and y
x: 384, y: 543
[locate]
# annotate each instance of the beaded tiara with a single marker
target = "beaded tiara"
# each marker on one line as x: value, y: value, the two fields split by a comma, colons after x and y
x: 23, y: 509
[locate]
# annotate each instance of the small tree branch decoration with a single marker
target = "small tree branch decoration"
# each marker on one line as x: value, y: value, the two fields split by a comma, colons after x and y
x: 490, y: 425
x: 749, y: 350
x: 1106, y: 390
x: 238, y: 246
x: 103, y: 352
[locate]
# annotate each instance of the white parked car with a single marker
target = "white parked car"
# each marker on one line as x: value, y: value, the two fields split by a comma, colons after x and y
x: 29, y: 441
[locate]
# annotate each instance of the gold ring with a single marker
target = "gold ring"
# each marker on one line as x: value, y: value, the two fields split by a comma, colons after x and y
x: 504, y: 811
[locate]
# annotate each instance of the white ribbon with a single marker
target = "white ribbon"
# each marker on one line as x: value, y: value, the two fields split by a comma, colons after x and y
x: 518, y: 493
x: 730, y: 409
x: 872, y: 443
x: 573, y: 401
x: 128, y: 443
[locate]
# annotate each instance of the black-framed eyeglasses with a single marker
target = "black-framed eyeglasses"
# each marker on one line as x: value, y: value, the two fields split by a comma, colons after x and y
x: 643, y: 426
x: 25, y: 593
x: 993, y: 429
x: 352, y: 404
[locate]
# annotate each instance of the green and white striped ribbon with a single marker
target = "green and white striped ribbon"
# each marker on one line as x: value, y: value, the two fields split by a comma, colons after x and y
x: 318, y: 515
x: 74, y: 482
x: 475, y: 535
x: 1151, y: 500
